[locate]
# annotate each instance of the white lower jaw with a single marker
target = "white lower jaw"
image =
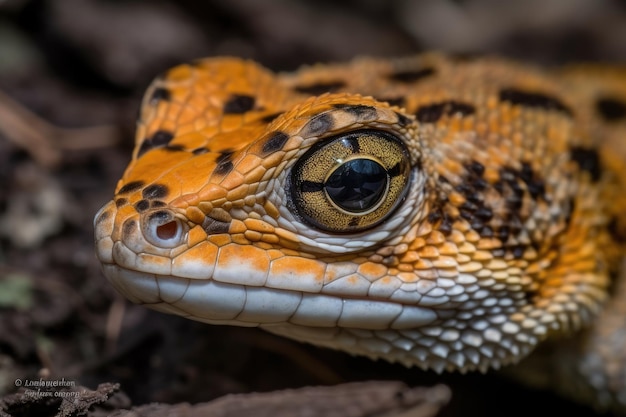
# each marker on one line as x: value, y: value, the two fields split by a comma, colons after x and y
x: 222, y: 303
x: 411, y: 335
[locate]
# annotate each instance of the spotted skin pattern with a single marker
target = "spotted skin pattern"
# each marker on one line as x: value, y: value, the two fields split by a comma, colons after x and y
x: 506, y: 227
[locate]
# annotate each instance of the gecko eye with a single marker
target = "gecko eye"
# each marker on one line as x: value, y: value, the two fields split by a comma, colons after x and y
x: 162, y: 229
x: 350, y: 182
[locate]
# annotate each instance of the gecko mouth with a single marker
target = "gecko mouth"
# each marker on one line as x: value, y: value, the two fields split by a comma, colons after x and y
x: 216, y: 302
x: 411, y: 335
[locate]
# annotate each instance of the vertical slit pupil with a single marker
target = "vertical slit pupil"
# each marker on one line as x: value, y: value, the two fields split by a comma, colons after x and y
x: 167, y: 231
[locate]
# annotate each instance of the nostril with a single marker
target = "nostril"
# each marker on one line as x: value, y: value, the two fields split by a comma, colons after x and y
x: 168, y: 230
x: 162, y: 229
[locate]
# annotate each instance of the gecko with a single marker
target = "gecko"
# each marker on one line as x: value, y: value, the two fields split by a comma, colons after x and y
x: 441, y: 212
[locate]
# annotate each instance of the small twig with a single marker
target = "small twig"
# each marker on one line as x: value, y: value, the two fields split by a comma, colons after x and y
x: 114, y: 323
x: 44, y: 141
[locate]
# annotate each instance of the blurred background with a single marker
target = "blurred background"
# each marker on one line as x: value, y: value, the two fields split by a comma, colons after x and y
x: 71, y: 77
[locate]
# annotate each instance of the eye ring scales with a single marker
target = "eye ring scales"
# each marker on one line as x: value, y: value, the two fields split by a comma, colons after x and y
x: 350, y: 182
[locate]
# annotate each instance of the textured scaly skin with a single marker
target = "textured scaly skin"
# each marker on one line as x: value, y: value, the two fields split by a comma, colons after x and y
x: 501, y: 225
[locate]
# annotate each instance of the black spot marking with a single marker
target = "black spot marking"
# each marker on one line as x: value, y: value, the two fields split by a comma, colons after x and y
x: 464, y: 109
x: 475, y: 209
x: 429, y: 114
x: 473, y: 182
x: 103, y: 216
x: 275, y: 142
x: 142, y: 205
x: 224, y: 168
x: 434, y: 216
x: 394, y: 101
x: 160, y: 94
x: 530, y: 295
x: 445, y: 226
x: 511, y: 188
x: 200, y: 151
x: 517, y: 251
x: 503, y: 233
x: 157, y: 204
x: 611, y: 109
x: 403, y: 120
x: 486, y: 232
x: 433, y: 112
x: 154, y: 191
x: 411, y: 75
x: 319, y: 124
x: 146, y: 145
x: 475, y: 168
x: 588, y: 160
x: 239, y: 104
x: 467, y: 210
x: 516, y: 185
x: 442, y: 219
x: 174, y: 148
x: 534, y: 184
x: 269, y: 118
x: 359, y: 110
x: 224, y: 162
x: 618, y: 235
x: 311, y: 187
x: 484, y: 213
x: 320, y: 88
x: 131, y: 187
x: 533, y: 100
x: 120, y: 202
x: 159, y: 139
x: 129, y: 227
x: 224, y: 156
x: 212, y: 226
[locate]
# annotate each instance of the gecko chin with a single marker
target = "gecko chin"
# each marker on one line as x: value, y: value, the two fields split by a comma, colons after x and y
x: 433, y: 338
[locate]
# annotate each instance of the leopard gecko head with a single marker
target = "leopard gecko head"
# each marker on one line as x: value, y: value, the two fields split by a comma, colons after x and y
x: 422, y: 212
